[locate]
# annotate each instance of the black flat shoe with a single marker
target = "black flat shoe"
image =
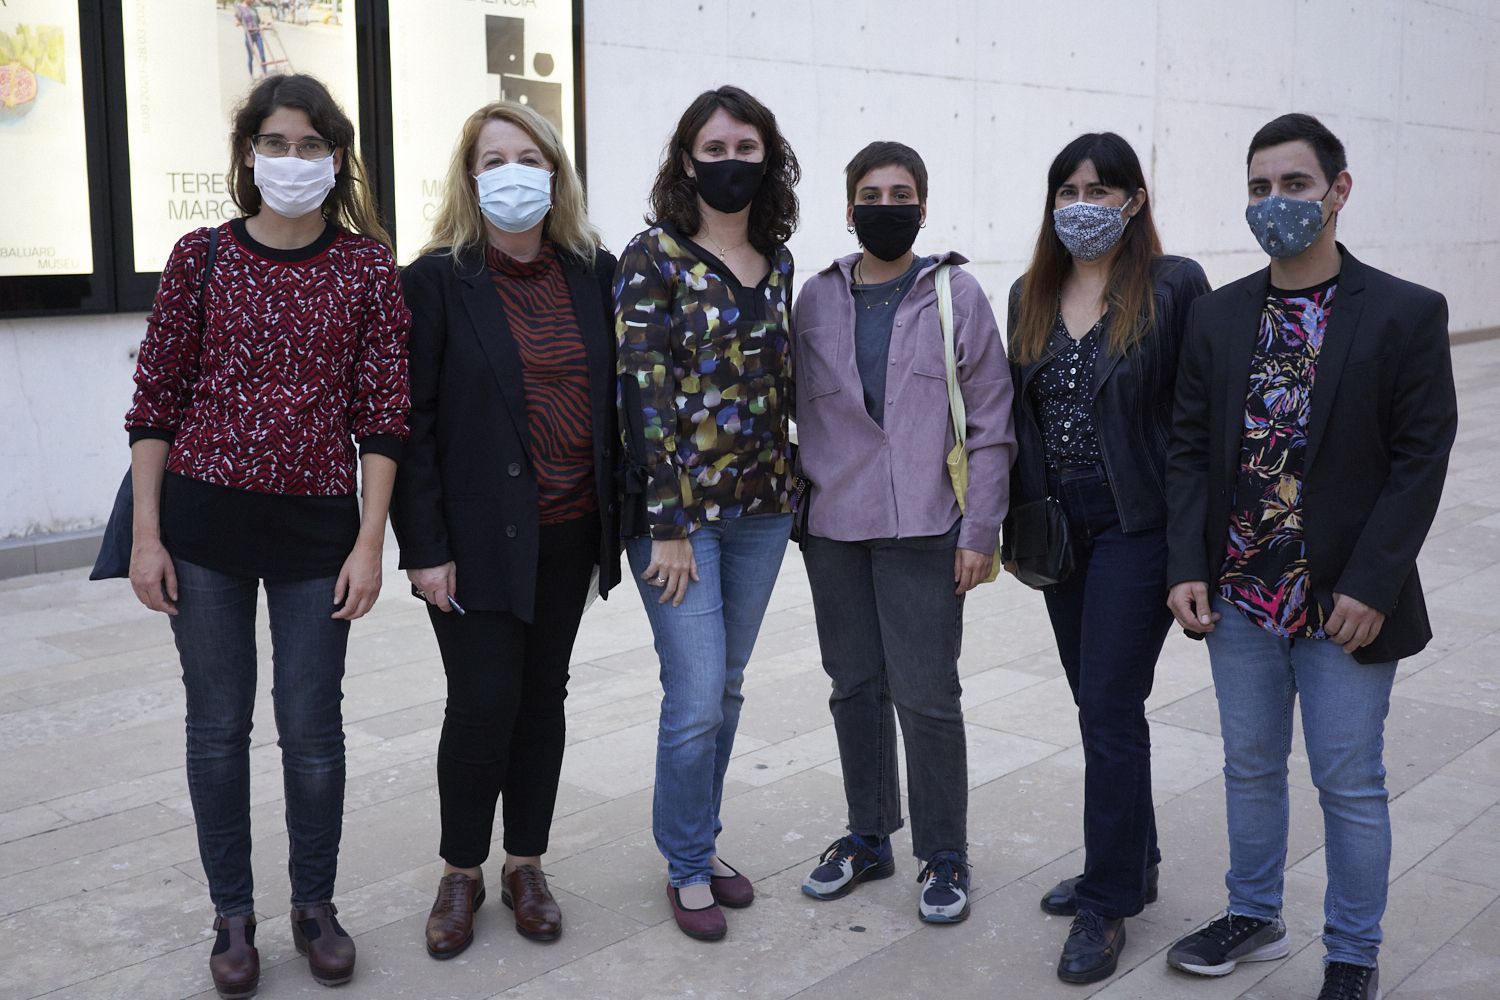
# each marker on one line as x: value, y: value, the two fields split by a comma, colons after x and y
x: 1092, y: 950
x: 1062, y: 900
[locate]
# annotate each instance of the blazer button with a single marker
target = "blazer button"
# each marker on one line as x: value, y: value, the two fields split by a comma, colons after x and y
x: 515, y: 469
x: 510, y: 531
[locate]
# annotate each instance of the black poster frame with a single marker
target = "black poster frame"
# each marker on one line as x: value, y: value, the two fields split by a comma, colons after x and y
x: 24, y: 295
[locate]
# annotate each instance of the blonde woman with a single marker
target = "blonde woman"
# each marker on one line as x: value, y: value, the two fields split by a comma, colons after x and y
x: 508, y: 504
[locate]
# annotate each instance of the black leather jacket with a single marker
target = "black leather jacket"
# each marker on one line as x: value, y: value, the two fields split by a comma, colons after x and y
x: 1132, y: 404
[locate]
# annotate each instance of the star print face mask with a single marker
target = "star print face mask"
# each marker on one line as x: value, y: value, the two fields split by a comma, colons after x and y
x: 1285, y: 227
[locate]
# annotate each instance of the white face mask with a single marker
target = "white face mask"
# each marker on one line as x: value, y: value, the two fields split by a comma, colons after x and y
x: 291, y: 186
x: 514, y: 197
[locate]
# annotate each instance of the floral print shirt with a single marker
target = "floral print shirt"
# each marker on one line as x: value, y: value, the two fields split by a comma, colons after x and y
x: 1265, y: 569
x: 704, y: 370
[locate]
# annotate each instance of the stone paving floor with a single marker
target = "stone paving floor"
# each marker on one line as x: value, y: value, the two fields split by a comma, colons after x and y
x: 102, y: 894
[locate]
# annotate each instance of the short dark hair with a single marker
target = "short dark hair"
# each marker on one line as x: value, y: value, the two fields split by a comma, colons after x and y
x: 1295, y: 126
x: 885, y: 153
x: 773, y: 213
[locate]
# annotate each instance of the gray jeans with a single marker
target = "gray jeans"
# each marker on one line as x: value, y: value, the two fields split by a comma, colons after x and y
x: 889, y: 625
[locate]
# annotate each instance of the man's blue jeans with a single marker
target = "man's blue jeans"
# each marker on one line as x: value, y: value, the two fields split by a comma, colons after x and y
x: 1258, y: 676
x: 704, y: 644
x: 215, y: 632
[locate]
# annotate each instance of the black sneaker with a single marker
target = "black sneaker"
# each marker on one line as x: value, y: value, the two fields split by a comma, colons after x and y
x: 1342, y: 981
x: 848, y: 862
x: 1218, y: 948
x: 945, y: 889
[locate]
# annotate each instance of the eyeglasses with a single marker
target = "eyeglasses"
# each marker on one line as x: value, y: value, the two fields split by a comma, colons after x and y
x: 280, y: 145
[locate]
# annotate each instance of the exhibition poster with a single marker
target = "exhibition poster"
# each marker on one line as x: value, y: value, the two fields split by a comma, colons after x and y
x: 188, y: 64
x: 448, y: 58
x: 44, y: 197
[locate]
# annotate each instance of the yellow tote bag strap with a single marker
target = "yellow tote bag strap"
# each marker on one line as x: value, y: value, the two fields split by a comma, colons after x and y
x: 958, y: 458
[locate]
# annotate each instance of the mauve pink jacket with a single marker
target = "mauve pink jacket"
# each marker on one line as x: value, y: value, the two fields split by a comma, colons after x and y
x: 891, y: 482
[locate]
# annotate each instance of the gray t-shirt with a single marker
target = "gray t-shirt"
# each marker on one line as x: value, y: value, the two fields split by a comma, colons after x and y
x: 874, y: 316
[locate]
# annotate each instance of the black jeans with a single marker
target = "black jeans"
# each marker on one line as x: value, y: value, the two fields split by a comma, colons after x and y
x: 1110, y: 618
x: 504, y: 727
x: 888, y: 627
x: 215, y: 633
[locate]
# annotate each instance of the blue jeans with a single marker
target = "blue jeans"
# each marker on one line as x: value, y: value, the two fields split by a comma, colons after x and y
x: 704, y: 644
x: 1110, y: 619
x: 1258, y: 676
x: 215, y: 633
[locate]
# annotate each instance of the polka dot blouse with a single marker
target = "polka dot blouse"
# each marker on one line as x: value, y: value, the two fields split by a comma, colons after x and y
x: 1063, y: 393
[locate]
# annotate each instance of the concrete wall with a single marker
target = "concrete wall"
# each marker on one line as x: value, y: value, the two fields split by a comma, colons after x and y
x: 988, y: 91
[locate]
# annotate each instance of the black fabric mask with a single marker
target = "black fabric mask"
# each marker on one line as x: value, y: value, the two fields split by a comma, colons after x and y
x: 728, y: 185
x: 887, y: 231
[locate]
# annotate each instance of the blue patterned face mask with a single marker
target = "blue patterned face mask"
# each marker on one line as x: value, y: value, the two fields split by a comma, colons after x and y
x: 1087, y: 230
x: 1285, y: 227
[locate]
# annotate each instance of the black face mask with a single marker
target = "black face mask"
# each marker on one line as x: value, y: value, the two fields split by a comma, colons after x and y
x: 887, y: 231
x: 728, y: 185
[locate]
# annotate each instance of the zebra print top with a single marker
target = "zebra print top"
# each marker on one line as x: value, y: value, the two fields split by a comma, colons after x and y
x: 554, y: 369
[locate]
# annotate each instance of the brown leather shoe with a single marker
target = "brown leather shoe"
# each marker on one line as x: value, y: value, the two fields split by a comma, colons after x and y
x: 450, y: 925
x: 537, y: 915
x: 329, y: 949
x: 235, y: 964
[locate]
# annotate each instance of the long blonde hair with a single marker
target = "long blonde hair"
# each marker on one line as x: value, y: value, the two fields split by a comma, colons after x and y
x: 459, y: 225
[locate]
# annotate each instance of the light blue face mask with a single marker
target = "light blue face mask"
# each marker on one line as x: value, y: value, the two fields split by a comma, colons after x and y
x: 1285, y: 227
x: 514, y: 196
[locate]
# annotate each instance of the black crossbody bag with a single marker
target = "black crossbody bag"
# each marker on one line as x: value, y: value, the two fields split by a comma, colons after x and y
x: 1036, y: 540
x: 113, y: 560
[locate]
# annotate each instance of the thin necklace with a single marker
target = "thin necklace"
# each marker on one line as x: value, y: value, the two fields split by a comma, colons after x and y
x: 721, y: 248
x: 895, y: 292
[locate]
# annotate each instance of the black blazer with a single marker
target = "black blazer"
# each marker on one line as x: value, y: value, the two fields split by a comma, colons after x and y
x: 466, y: 489
x: 1132, y: 404
x: 1383, y: 419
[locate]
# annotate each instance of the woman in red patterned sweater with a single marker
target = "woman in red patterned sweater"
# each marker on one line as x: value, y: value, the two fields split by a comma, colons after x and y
x: 505, y: 505
x: 276, y: 343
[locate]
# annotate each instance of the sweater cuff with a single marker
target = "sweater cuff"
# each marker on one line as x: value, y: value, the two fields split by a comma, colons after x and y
x: 388, y: 445
x: 151, y: 434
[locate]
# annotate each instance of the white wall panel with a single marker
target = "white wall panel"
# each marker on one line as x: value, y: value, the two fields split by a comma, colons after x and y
x: 988, y: 91
x: 1095, y: 45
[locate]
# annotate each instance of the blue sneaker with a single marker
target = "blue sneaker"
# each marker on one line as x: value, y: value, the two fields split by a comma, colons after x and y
x: 945, y: 889
x: 848, y: 862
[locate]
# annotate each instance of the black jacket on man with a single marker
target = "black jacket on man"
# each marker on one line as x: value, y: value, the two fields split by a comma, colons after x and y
x: 1382, y: 422
x: 1132, y: 404
x: 466, y: 490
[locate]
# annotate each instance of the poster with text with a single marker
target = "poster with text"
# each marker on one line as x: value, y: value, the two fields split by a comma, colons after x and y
x: 449, y: 58
x: 188, y: 64
x: 44, y: 178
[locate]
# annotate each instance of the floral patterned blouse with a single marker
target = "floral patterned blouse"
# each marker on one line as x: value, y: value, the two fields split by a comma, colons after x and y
x: 704, y: 370
x: 1265, y: 569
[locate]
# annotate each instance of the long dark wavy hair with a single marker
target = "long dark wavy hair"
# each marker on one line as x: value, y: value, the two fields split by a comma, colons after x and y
x: 1129, y: 292
x: 773, y: 213
x: 350, y: 204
